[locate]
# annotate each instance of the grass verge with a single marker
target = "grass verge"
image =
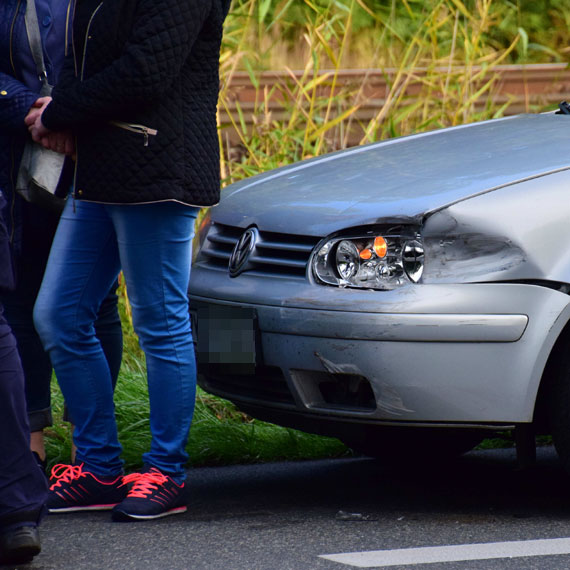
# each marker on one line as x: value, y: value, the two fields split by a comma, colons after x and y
x: 220, y: 434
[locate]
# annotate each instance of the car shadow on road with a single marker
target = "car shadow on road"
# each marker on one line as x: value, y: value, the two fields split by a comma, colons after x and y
x: 477, y: 481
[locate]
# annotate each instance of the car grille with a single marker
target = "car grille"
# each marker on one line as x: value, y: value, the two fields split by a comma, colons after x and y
x: 275, y: 254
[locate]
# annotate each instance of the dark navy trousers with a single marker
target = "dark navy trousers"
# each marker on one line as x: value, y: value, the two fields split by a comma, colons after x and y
x: 35, y: 228
x: 23, y: 486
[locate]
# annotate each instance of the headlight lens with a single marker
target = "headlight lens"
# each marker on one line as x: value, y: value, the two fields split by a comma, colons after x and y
x: 373, y: 260
x: 347, y: 259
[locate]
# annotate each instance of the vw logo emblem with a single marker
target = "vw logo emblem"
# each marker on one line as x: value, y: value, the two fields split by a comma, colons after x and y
x: 242, y: 251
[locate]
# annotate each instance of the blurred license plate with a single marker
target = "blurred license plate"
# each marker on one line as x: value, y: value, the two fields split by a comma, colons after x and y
x: 225, y: 335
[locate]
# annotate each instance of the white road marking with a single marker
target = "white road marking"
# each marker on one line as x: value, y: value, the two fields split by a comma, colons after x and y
x: 456, y: 553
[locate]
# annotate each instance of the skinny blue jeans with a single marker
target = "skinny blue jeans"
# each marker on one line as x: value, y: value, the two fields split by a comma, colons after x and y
x: 152, y: 245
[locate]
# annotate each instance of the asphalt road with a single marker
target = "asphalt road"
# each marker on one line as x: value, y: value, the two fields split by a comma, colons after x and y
x: 288, y: 515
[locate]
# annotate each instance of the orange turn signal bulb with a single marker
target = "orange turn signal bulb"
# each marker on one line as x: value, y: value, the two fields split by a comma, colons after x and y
x: 380, y: 247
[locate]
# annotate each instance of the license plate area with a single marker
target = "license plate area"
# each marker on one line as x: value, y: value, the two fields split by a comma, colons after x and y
x: 226, y: 336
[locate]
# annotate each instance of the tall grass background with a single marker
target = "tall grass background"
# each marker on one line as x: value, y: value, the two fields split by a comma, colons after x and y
x: 451, y: 48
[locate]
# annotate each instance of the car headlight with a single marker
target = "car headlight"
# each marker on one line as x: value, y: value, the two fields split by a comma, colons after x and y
x: 371, y: 260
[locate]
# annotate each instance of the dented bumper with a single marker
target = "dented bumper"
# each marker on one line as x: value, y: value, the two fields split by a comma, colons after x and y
x: 469, y: 353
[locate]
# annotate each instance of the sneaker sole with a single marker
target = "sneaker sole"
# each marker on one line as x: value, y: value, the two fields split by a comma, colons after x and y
x: 19, y: 558
x: 77, y: 508
x: 21, y: 553
x: 122, y: 516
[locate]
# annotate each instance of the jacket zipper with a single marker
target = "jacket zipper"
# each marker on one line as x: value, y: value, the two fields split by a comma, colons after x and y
x: 73, y: 5
x: 134, y: 128
x: 74, y: 181
x: 86, y: 38
x: 67, y: 22
x: 81, y: 79
x: 12, y: 37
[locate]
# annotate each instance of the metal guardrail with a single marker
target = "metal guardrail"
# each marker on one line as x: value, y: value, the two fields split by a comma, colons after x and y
x: 525, y: 88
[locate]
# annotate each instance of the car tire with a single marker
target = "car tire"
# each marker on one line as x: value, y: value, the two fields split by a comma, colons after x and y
x: 559, y: 406
x: 413, y: 445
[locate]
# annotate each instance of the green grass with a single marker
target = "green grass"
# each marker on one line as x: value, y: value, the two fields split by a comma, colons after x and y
x: 220, y: 434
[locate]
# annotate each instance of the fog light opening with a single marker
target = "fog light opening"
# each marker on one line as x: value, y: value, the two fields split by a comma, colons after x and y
x: 347, y: 391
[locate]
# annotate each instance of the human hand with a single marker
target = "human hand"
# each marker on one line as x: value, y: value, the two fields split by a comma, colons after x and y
x: 60, y: 141
x: 36, y: 110
x: 39, y: 132
x: 34, y: 120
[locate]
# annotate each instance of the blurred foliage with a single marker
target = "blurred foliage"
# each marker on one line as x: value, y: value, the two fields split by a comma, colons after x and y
x: 381, y: 24
x: 440, y: 59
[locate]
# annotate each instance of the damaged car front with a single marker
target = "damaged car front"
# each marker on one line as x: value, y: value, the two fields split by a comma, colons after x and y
x: 399, y: 294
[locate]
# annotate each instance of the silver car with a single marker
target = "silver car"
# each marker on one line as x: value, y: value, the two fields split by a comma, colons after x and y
x: 403, y: 296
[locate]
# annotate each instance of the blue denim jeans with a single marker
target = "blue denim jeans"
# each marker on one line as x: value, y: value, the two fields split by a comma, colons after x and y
x: 152, y: 245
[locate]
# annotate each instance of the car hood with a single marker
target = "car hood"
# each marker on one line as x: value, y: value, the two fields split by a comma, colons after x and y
x: 401, y: 178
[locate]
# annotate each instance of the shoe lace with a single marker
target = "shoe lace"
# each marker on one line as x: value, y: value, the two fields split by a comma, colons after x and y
x: 144, y: 483
x: 66, y: 473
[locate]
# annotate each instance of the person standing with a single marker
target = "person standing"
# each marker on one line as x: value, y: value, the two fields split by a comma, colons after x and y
x: 140, y: 94
x: 23, y: 487
x: 32, y: 227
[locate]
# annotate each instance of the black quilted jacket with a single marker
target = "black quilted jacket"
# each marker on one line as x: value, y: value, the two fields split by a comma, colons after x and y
x: 140, y: 92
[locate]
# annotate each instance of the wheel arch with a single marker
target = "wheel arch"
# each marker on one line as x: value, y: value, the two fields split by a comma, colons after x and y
x: 541, y: 418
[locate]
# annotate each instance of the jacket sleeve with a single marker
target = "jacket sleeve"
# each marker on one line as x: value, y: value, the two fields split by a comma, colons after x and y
x: 161, y: 39
x: 67, y: 74
x: 15, y: 102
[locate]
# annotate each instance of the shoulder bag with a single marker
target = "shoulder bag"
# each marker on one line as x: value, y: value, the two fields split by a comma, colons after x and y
x: 40, y: 168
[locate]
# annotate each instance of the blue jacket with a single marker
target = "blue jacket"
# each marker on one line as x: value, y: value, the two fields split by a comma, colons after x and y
x: 19, y: 88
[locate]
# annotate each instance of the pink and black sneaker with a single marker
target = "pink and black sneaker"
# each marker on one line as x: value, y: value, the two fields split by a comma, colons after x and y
x: 151, y: 495
x: 73, y: 489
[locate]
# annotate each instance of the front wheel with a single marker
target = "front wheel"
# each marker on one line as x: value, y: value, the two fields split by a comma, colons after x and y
x: 559, y: 407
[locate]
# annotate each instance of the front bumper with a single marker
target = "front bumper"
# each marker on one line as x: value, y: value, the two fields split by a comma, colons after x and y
x: 437, y: 354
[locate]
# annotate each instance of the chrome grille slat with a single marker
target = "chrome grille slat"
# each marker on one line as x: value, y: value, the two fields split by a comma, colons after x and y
x: 219, y: 255
x: 275, y: 254
x: 223, y: 240
x: 304, y: 248
x: 278, y: 261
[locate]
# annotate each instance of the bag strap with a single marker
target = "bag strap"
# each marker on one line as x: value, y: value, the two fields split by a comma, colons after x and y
x: 35, y: 40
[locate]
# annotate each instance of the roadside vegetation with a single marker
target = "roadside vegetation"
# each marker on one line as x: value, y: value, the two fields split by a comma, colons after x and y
x: 446, y: 51
x: 449, y: 49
